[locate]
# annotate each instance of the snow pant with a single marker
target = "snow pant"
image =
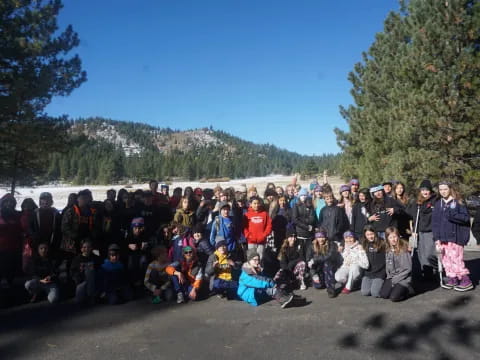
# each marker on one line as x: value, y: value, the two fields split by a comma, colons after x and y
x: 35, y: 287
x: 9, y: 263
x: 298, y: 272
x: 452, y: 260
x: 426, y: 251
x: 323, y: 276
x: 395, y: 292
x: 259, y: 248
x: 227, y: 287
x: 371, y: 287
x: 86, y: 289
x: 348, y: 275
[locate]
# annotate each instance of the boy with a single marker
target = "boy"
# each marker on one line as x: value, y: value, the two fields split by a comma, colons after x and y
x: 83, y: 272
x: 114, y: 278
x: 222, y: 227
x: 221, y: 266
x: 156, y: 278
x: 44, y: 277
x: 186, y: 276
x: 257, y: 225
x: 333, y: 219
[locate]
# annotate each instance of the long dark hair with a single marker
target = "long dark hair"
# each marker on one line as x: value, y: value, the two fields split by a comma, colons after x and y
x: 378, y: 243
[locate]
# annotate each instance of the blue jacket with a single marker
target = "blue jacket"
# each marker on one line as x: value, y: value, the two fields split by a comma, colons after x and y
x: 223, y: 227
x: 251, y: 287
x: 451, y: 222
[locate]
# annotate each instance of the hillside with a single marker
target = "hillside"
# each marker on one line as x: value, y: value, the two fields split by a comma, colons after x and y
x: 104, y: 151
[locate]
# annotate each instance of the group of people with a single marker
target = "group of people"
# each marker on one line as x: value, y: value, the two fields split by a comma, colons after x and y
x: 193, y: 243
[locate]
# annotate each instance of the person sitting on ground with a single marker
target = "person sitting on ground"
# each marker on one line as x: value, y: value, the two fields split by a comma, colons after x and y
x: 397, y: 285
x: 220, y: 266
x: 255, y: 289
x: 292, y: 259
x: 323, y: 261
x: 138, y: 249
x: 186, y: 276
x: 114, y: 282
x: 84, y: 272
x: 354, y: 260
x: 374, y: 275
x: 44, y: 277
x: 156, y: 278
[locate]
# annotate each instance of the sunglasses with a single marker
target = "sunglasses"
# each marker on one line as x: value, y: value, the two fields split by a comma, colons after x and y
x: 188, y: 252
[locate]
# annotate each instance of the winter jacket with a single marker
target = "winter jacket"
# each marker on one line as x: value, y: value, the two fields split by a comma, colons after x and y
x: 451, y: 222
x: 223, y: 227
x: 380, y: 208
x: 399, y: 268
x: 316, y: 261
x: 257, y: 225
x: 43, y: 267
x: 204, y: 250
x: 185, y: 218
x: 354, y: 255
x: 376, y: 263
x: 10, y: 233
x: 222, y: 270
x: 319, y: 205
x: 292, y: 256
x: 191, y: 270
x: 46, y: 233
x: 250, y: 285
x: 304, y: 219
x: 113, y: 276
x: 476, y: 226
x: 402, y: 219
x: 81, y: 263
x: 79, y: 224
x: 359, y: 218
x: 280, y: 220
x: 178, y: 243
x: 335, y: 221
x: 424, y: 214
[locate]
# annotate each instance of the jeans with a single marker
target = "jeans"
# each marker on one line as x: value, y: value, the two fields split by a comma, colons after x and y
x: 87, y: 287
x: 371, y: 287
x: 35, y: 287
x: 258, y: 247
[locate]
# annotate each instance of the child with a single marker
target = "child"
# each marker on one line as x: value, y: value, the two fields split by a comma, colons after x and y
x: 257, y: 225
x: 220, y: 266
x: 181, y: 238
x: 291, y: 259
x: 114, y: 283
x: 398, y: 267
x: 281, y: 218
x: 318, y: 200
x: 83, y: 272
x: 44, y: 277
x: 138, y: 248
x: 254, y: 288
x: 323, y: 259
x: 451, y: 232
x: 354, y: 260
x: 333, y: 219
x: 202, y: 246
x: 222, y: 227
x: 185, y: 214
x: 303, y: 215
x: 375, y: 274
x: 156, y: 278
x: 186, y: 276
x: 360, y: 213
x: 346, y: 201
x: 382, y: 209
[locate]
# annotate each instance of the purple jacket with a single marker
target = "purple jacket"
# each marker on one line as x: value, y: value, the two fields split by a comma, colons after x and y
x: 451, y: 222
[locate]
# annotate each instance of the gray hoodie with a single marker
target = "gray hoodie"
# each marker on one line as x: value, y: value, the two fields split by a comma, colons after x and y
x: 399, y: 268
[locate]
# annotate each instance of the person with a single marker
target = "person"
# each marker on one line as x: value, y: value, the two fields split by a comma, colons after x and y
x: 402, y: 217
x: 10, y: 239
x: 46, y: 224
x: 360, y: 213
x: 256, y: 289
x: 387, y: 188
x: 476, y: 226
x: 281, y: 219
x: 114, y: 285
x: 382, y: 209
x: 138, y: 247
x: 156, y: 277
x: 304, y: 218
x: 84, y: 272
x: 257, y: 225
x: 346, y: 201
x: 397, y: 285
x: 111, y: 232
x: 202, y: 246
x: 222, y: 228
x: 44, y: 276
x: 421, y: 213
x: 375, y: 274
x: 220, y: 266
x: 318, y: 200
x: 323, y: 260
x: 185, y: 214
x: 252, y: 192
x: 354, y: 188
x: 186, y: 276
x: 279, y: 190
x: 292, y: 259
x: 333, y: 219
x: 451, y: 232
x: 180, y: 239
x: 354, y: 261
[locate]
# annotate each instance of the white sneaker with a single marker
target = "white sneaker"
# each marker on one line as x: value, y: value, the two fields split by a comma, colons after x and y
x: 303, y: 286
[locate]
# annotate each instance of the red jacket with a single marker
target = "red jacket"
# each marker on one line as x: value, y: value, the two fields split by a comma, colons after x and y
x: 257, y: 225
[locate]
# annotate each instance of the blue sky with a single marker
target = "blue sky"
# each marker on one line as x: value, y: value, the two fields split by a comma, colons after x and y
x: 265, y: 70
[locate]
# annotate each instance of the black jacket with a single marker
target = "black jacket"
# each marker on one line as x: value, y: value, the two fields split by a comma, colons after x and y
x: 359, y: 218
x: 335, y: 221
x: 332, y: 257
x: 379, y: 207
x: 425, y: 214
x: 81, y: 263
x: 43, y: 267
x: 303, y: 217
x: 292, y: 256
x: 377, y: 263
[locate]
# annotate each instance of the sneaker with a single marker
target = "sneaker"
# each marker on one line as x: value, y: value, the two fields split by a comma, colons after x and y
x: 465, y: 284
x: 303, y: 286
x: 331, y: 293
x: 283, y: 298
x: 449, y: 283
x: 345, y: 291
x: 180, y: 298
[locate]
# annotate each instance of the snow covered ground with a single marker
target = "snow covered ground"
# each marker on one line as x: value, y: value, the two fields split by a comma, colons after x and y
x: 60, y: 193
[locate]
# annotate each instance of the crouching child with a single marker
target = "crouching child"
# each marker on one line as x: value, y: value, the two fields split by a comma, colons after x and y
x: 84, y: 271
x: 220, y: 266
x: 156, y: 278
x: 114, y: 282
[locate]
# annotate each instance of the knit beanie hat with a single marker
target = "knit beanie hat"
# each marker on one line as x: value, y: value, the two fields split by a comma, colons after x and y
x: 138, y: 222
x: 348, y: 234
x: 46, y: 195
x: 320, y: 234
x: 303, y: 192
x: 198, y: 228
x: 355, y: 182
x: 344, y: 188
x: 426, y: 184
x: 376, y: 188
x: 318, y: 188
x: 220, y: 243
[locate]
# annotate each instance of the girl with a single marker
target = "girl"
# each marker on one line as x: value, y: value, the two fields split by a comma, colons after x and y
x: 381, y: 210
x: 44, y: 277
x: 398, y: 267
x: 354, y: 260
x: 346, y: 201
x: 186, y: 276
x: 375, y: 274
x: 451, y: 232
x: 281, y: 218
x: 318, y: 201
x: 422, y: 229
x: 84, y: 271
x: 185, y: 215
x: 333, y: 219
x: 402, y: 217
x: 360, y: 213
x: 291, y: 259
x: 303, y: 215
x: 323, y: 259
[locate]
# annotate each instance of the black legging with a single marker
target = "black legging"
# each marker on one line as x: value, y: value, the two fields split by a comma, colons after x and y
x: 395, y: 293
